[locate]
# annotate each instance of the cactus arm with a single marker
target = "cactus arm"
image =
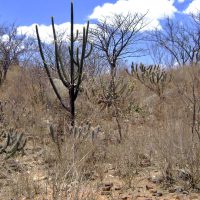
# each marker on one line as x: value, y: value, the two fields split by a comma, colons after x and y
x: 63, y: 69
x: 86, y: 41
x: 77, y: 62
x: 58, y: 59
x: 83, y: 57
x: 22, y: 145
x: 152, y: 76
x: 76, y: 37
x: 90, y: 51
x: 4, y: 146
x: 16, y: 146
x: 48, y: 72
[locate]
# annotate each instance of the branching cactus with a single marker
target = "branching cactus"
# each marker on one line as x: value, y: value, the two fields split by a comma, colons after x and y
x: 81, y: 133
x: 11, y: 143
x: 85, y: 131
x: 152, y: 76
x: 77, y: 59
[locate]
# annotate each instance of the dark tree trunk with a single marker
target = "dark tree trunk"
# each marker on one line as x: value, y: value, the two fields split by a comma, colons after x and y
x: 4, y: 74
x: 72, y: 105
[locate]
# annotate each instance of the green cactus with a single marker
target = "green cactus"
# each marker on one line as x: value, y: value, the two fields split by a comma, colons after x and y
x: 152, y: 76
x: 85, y: 131
x: 5, y: 145
x: 77, y: 58
x: 13, y: 142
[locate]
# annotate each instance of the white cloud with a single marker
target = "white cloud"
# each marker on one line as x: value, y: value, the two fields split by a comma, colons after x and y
x: 157, y: 9
x: 46, y: 33
x: 193, y: 7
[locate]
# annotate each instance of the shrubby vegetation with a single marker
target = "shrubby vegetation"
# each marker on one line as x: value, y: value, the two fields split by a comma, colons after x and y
x: 130, y: 123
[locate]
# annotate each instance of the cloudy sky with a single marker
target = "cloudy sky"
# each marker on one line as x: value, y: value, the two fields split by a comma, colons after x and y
x: 27, y: 13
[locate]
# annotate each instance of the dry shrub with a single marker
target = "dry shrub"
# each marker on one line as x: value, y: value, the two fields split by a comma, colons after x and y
x: 24, y: 187
x: 163, y: 132
x: 70, y: 166
x: 176, y: 139
x: 130, y: 156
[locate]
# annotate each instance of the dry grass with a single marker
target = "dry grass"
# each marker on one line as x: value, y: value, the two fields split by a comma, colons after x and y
x: 161, y: 133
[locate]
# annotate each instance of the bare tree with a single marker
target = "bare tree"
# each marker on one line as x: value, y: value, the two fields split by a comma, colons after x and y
x: 180, y: 39
x: 115, y: 38
x: 11, y: 48
x: 159, y: 55
x: 95, y: 64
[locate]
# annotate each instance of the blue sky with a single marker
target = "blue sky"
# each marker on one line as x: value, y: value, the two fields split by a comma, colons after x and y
x: 27, y: 13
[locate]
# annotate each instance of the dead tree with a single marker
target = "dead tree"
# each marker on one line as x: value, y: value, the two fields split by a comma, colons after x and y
x: 115, y: 38
x: 11, y: 48
x: 180, y: 40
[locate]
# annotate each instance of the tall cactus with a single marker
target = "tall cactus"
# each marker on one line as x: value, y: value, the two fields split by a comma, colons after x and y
x: 77, y: 58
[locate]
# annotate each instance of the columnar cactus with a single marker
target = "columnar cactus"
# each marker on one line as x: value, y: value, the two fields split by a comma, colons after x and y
x: 77, y: 58
x: 83, y: 132
x: 152, y: 76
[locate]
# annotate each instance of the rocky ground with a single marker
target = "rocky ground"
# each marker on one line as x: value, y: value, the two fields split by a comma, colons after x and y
x: 146, y: 185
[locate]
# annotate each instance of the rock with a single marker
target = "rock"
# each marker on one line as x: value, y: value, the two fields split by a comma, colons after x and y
x: 185, y: 192
x: 159, y: 194
x: 51, y: 96
x: 156, y: 178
